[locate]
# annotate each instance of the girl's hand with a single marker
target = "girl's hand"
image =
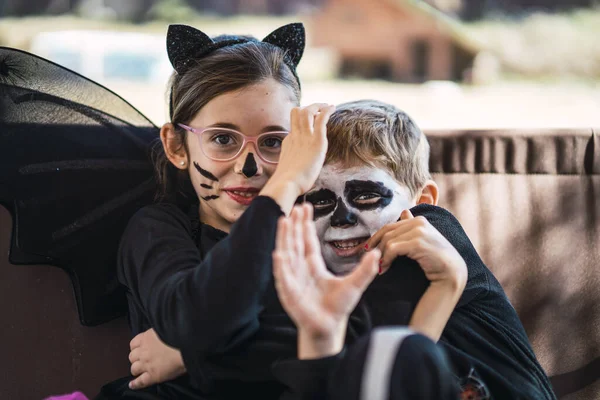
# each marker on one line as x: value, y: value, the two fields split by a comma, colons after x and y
x: 152, y: 361
x: 302, y: 155
x: 318, y: 302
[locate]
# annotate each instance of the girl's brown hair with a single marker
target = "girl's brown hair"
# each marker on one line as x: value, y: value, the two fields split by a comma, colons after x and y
x: 225, y: 70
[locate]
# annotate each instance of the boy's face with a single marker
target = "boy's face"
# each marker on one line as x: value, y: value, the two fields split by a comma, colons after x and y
x: 351, y: 204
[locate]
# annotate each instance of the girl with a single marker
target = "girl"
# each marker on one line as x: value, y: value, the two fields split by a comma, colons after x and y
x: 377, y: 168
x: 197, y: 265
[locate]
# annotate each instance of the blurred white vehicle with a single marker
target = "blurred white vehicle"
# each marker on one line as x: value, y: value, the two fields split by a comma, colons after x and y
x: 108, y: 57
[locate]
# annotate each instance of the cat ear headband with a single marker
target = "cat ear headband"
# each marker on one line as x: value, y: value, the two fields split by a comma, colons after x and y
x: 185, y: 44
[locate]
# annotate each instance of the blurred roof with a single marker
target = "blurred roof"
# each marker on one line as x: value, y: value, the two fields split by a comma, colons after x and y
x: 448, y: 24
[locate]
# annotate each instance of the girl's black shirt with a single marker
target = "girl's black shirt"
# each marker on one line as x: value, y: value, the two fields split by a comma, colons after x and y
x: 205, y: 292
x: 211, y: 295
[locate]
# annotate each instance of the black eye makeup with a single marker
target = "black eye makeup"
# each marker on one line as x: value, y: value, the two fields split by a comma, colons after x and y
x: 323, y: 202
x: 367, y: 198
x: 367, y: 195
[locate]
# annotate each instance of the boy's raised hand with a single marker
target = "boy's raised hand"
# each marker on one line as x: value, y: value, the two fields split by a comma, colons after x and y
x: 417, y: 239
x: 317, y: 301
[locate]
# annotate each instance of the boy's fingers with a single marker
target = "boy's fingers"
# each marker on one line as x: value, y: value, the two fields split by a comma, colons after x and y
x: 140, y: 382
x: 288, y: 236
x: 134, y: 355
x: 280, y: 237
x: 406, y: 214
x: 387, y: 233
x: 277, y: 264
x: 366, y: 270
x: 135, y: 342
x: 308, y: 211
x: 282, y: 276
x: 376, y: 238
x: 298, y: 231
x: 313, y: 250
x: 136, y: 368
x: 311, y: 242
x: 396, y: 249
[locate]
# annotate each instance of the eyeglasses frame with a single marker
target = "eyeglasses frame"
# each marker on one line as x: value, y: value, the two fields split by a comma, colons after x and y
x: 247, y: 139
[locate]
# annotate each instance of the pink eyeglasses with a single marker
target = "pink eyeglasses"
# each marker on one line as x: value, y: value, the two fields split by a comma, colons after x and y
x: 224, y: 144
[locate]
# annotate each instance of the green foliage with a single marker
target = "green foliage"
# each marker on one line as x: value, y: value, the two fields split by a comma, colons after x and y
x: 561, y: 45
x: 172, y: 11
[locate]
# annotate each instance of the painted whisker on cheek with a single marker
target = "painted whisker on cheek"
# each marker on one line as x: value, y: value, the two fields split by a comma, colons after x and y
x: 205, y: 173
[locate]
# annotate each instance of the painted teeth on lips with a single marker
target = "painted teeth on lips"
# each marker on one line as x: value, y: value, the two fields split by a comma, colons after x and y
x: 347, y: 244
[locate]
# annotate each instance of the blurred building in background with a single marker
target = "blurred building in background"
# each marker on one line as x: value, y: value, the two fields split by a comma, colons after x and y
x: 139, y: 10
x: 403, y: 41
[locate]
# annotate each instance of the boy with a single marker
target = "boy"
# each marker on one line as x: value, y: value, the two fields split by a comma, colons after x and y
x: 376, y: 167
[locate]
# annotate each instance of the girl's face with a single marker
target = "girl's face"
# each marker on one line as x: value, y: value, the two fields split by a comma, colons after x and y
x: 350, y: 205
x: 226, y: 188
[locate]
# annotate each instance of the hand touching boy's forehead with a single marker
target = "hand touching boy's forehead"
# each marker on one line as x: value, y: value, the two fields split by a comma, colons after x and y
x: 351, y: 204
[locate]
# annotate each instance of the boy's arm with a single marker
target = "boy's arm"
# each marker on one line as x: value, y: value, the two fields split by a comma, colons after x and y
x: 435, y: 307
x: 443, y: 266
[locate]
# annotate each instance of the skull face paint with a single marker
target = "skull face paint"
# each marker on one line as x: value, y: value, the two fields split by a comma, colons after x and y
x: 351, y: 204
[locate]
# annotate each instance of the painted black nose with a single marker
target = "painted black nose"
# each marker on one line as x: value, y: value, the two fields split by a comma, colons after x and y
x: 342, y: 215
x: 250, y: 168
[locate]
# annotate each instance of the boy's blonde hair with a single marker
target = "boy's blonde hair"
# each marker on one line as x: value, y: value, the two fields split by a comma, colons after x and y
x: 380, y: 135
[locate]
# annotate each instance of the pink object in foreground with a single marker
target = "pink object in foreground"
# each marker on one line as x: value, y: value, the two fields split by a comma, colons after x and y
x: 71, y: 396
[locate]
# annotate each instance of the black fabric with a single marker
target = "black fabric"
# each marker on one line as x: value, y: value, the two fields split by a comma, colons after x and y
x: 484, y: 332
x: 420, y: 371
x: 207, y: 297
x: 309, y: 379
x: 75, y: 167
x: 231, y: 335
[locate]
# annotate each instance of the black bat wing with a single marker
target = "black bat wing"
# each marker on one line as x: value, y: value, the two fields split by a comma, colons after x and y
x: 74, y: 167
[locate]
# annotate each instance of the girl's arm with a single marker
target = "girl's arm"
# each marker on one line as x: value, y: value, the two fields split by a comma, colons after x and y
x: 199, y: 305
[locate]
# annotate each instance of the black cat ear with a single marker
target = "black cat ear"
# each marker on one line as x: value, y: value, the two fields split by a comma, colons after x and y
x: 185, y: 43
x: 291, y: 38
